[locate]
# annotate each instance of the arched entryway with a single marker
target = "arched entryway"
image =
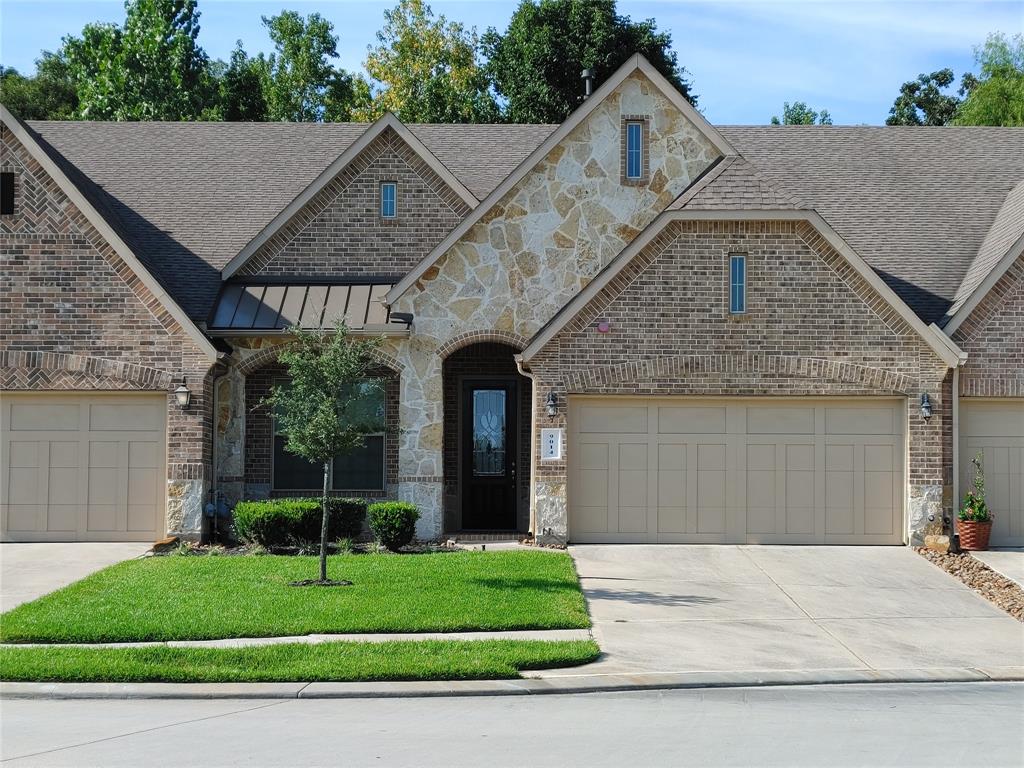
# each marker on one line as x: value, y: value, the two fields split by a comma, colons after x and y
x: 487, y: 406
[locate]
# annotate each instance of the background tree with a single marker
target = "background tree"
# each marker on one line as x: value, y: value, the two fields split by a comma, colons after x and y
x: 923, y: 102
x: 317, y: 410
x: 798, y: 113
x: 151, y: 68
x: 241, y: 89
x: 427, y: 70
x: 997, y: 96
x: 49, y: 94
x: 300, y: 82
x: 535, y: 65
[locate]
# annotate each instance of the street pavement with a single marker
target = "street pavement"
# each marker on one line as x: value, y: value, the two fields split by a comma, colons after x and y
x: 933, y: 724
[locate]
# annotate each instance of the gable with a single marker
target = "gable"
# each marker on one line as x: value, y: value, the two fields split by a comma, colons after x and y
x: 325, y: 187
x: 568, y: 215
x: 817, y: 233
x: 66, y: 290
x: 992, y: 335
x: 51, y: 213
x: 804, y: 301
x: 340, y: 233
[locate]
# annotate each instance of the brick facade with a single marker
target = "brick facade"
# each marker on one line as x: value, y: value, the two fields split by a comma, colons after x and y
x: 993, y: 338
x: 76, y: 318
x: 340, y: 233
x: 813, y: 327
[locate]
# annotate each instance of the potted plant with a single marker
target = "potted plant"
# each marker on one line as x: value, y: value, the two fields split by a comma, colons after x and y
x: 975, y: 520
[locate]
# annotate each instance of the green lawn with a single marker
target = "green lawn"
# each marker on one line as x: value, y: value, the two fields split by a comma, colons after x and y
x: 416, y: 660
x: 200, y: 598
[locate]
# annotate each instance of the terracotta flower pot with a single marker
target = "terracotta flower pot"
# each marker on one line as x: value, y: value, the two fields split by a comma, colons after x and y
x: 974, y: 535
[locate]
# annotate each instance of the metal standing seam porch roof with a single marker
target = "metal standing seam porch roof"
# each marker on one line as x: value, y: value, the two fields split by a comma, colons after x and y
x: 261, y: 307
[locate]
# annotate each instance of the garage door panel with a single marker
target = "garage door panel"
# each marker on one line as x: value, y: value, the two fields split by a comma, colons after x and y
x: 81, y: 467
x: 613, y: 420
x: 691, y: 420
x: 773, y: 472
x: 996, y: 429
x: 860, y: 421
x: 780, y: 420
x: 44, y: 417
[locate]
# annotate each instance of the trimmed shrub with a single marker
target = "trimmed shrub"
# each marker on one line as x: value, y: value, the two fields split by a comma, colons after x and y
x: 393, y: 523
x: 288, y: 522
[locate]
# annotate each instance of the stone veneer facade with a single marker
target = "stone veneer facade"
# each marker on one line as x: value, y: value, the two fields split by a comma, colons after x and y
x: 74, y: 317
x: 529, y: 254
x: 813, y: 327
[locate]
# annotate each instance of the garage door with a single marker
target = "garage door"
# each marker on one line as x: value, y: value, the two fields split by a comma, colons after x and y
x: 82, y: 468
x: 736, y: 471
x: 996, y: 429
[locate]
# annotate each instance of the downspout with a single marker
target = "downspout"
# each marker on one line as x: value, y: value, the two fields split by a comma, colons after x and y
x: 954, y: 544
x: 533, y: 442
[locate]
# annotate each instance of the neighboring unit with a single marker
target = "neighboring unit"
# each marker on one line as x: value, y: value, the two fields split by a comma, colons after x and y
x: 631, y: 327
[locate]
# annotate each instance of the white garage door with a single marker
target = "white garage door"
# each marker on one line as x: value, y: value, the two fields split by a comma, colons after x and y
x: 82, y: 467
x: 736, y: 471
x: 996, y: 429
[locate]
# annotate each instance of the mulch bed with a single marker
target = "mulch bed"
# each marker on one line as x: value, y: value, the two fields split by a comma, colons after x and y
x: 994, y: 587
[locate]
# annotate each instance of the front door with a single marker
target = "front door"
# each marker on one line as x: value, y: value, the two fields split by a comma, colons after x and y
x: 489, y: 427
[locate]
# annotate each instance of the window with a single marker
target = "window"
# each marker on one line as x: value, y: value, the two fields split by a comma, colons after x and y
x: 737, y: 283
x: 360, y: 470
x: 388, y: 200
x: 6, y: 193
x: 634, y: 150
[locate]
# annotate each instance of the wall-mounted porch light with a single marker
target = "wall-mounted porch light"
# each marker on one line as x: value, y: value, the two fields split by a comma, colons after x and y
x: 552, y: 404
x: 926, y: 407
x: 182, y: 394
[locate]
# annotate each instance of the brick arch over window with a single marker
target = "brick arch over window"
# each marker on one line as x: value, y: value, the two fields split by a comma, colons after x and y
x: 476, y: 337
x: 779, y: 365
x: 269, y: 355
x: 56, y: 370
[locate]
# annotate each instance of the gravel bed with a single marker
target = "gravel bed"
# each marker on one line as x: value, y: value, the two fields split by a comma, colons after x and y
x: 993, y: 586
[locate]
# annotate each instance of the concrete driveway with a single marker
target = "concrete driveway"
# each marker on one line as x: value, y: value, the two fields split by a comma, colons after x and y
x: 669, y: 609
x: 28, y: 571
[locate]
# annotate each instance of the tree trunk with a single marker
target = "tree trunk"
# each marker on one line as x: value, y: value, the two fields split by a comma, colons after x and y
x: 323, y: 527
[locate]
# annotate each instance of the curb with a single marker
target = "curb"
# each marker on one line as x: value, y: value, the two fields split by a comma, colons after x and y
x: 531, y: 686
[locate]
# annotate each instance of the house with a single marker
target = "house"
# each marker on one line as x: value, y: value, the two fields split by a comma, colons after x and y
x: 631, y: 327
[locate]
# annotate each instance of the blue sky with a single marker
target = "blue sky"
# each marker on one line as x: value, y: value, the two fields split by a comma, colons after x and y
x: 745, y: 58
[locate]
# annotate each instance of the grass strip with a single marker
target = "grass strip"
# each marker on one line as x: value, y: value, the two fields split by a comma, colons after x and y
x: 296, y: 662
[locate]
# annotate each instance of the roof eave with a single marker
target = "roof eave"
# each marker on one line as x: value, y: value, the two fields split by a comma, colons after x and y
x: 633, y: 64
x: 981, y: 291
x: 107, y: 232
x: 375, y: 129
x: 940, y: 346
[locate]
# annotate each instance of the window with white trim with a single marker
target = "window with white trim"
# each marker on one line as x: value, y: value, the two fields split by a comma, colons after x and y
x: 360, y: 470
x: 737, y: 283
x: 388, y: 200
x: 634, y: 149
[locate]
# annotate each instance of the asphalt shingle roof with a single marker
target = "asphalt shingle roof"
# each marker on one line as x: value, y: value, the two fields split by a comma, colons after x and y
x: 735, y: 184
x: 187, y: 197
x: 915, y: 203
x: 1005, y: 231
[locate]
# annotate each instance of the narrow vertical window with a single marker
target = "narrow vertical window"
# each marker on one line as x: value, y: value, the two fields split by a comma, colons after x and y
x: 388, y: 200
x: 634, y: 150
x: 6, y: 193
x: 737, y: 283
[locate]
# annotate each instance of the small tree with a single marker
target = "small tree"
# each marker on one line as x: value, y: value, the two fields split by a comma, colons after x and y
x: 317, y: 411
